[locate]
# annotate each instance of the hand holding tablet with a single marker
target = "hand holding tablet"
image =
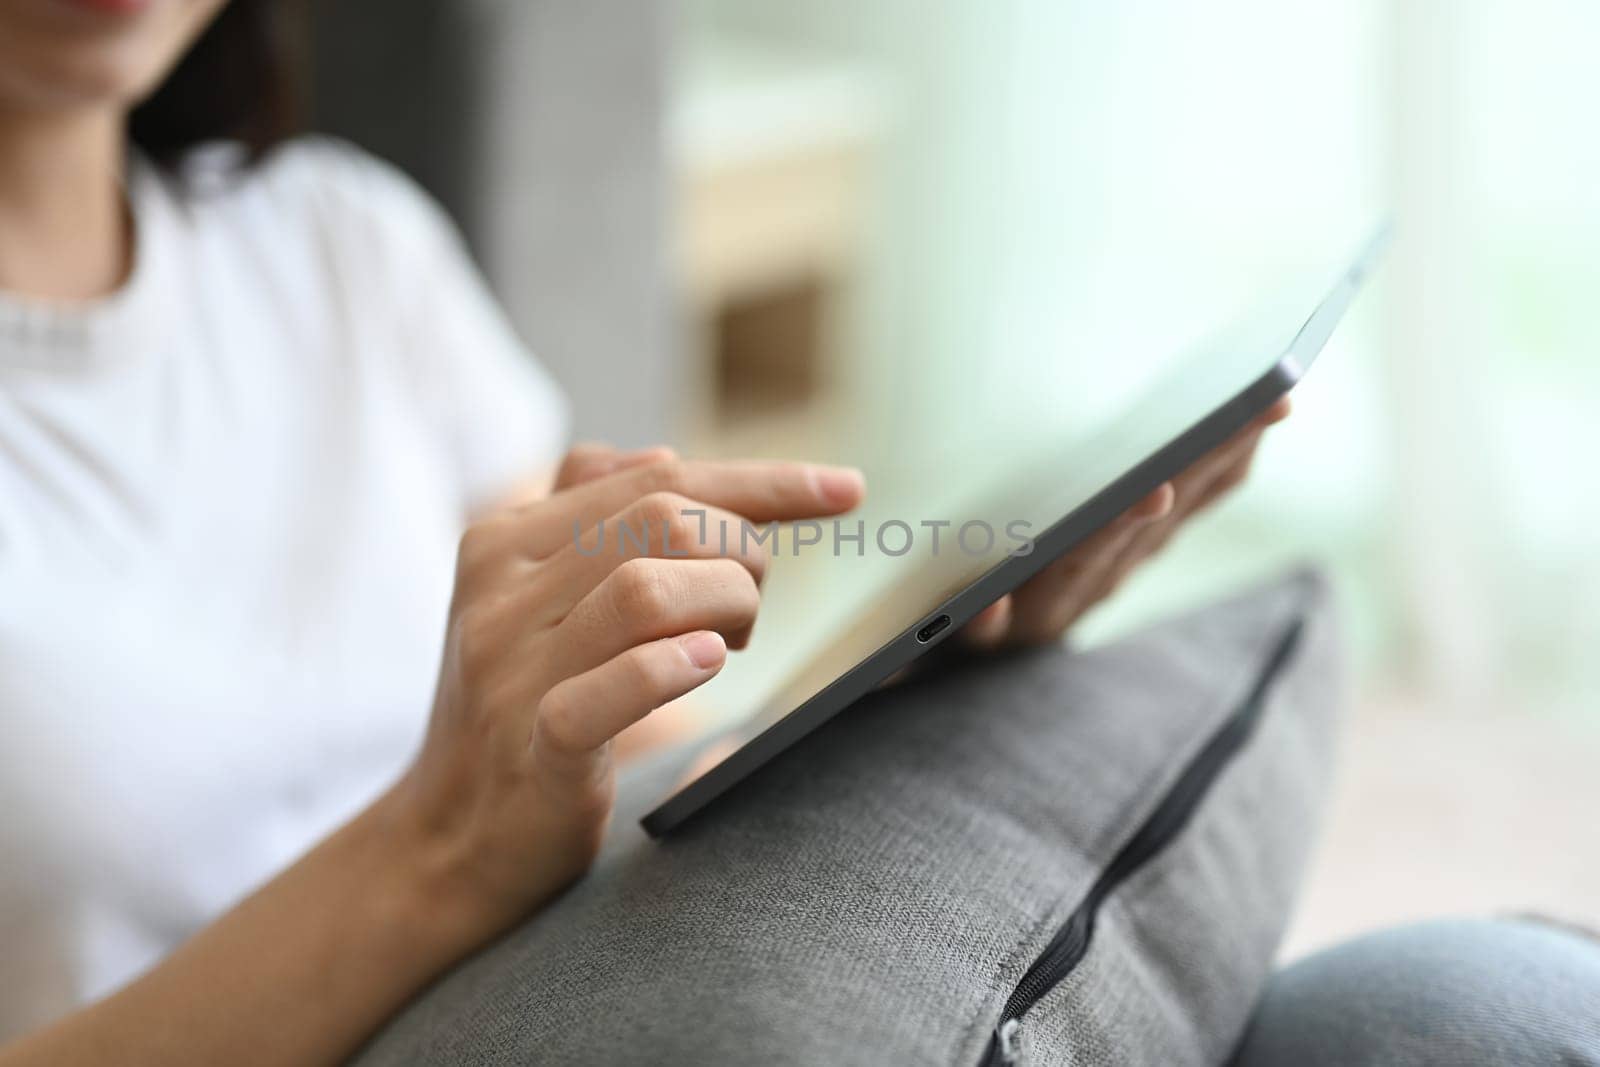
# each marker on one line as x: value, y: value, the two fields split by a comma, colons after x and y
x: 1047, y: 605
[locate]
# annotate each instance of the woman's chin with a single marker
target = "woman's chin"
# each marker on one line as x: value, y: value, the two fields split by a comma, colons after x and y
x: 72, y: 53
x: 74, y: 79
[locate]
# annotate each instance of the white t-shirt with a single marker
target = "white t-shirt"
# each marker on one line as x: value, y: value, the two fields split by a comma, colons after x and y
x: 230, y: 497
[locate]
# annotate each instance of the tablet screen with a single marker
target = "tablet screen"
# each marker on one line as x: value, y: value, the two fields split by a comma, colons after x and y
x: 1005, y: 516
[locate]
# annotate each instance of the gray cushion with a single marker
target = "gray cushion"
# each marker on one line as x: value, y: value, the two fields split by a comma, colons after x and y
x: 878, y: 894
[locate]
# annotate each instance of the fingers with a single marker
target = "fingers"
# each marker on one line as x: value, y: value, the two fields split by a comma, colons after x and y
x: 1227, y: 479
x: 1158, y: 505
x: 1054, y: 598
x: 991, y: 626
x: 661, y: 526
x: 1193, y: 482
x: 1228, y: 465
x: 1208, y: 481
x: 1204, y: 483
x: 1279, y: 411
x: 581, y: 714
x: 759, y: 491
x: 586, y: 462
x: 647, y: 599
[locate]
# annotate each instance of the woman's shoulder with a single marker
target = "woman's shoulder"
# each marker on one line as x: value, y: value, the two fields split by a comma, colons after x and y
x: 349, y: 177
x: 320, y: 185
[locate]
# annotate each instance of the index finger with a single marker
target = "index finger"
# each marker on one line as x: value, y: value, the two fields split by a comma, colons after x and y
x: 590, y: 460
x: 756, y: 490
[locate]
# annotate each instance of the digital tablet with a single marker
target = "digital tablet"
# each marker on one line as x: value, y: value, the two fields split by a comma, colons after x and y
x: 1034, y: 517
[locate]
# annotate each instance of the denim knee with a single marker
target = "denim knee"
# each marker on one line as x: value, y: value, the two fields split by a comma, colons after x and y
x: 1439, y: 993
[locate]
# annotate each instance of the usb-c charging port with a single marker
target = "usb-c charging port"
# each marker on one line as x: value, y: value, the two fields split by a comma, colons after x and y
x: 933, y: 629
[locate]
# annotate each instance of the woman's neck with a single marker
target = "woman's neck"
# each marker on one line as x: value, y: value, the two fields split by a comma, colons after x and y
x: 64, y: 226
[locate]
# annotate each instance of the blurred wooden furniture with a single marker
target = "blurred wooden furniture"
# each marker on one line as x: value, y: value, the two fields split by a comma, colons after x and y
x: 773, y: 154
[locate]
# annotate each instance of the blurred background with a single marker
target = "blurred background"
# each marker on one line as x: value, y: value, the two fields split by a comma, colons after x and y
x: 890, y: 233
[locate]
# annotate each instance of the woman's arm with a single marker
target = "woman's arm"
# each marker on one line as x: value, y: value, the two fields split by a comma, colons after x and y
x: 299, y: 973
x: 552, y: 649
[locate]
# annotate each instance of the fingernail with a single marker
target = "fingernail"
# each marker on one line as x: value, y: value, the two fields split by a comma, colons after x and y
x: 1168, y: 497
x: 839, y: 485
x: 704, y: 649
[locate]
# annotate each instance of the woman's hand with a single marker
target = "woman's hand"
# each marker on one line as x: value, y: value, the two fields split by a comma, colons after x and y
x: 549, y: 653
x: 1045, y: 607
x: 553, y: 648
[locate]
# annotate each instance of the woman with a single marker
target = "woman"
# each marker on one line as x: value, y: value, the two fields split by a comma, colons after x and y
x: 250, y: 392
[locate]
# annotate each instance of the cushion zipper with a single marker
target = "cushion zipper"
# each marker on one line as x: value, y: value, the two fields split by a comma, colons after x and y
x: 1165, y: 823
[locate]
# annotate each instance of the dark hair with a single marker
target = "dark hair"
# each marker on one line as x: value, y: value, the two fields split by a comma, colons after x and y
x: 240, y: 81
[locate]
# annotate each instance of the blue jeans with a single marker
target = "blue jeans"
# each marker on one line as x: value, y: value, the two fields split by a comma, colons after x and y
x: 1451, y: 993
